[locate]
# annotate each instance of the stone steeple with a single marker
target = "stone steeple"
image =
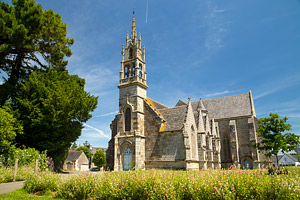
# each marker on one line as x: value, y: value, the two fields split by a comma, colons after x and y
x: 133, y: 65
x: 130, y: 134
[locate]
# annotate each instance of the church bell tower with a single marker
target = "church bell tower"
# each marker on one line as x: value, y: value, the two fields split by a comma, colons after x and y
x: 130, y: 140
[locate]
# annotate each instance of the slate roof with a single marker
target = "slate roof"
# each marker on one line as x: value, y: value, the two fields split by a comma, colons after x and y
x: 74, y: 155
x: 158, y: 105
x: 293, y: 157
x: 181, y: 103
x: 219, y: 108
x: 174, y: 117
x: 227, y: 107
x: 274, y: 158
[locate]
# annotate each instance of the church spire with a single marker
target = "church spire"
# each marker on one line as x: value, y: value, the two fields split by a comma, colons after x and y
x: 133, y: 65
x: 133, y: 29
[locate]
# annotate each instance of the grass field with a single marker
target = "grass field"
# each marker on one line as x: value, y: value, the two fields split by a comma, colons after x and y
x: 163, y: 184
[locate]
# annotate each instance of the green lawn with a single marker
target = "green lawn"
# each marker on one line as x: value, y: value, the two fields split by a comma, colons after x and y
x: 23, y: 195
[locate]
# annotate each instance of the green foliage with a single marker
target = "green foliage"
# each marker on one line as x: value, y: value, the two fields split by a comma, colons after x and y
x: 22, y: 194
x: 42, y: 182
x: 9, y: 128
x: 86, y: 151
x: 99, y: 158
x: 273, y: 139
x: 158, y: 184
x: 277, y: 171
x: 31, y: 38
x: 52, y: 106
x: 26, y: 157
x: 7, y: 173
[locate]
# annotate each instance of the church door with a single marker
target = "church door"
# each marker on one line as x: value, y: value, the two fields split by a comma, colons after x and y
x: 127, y: 159
x: 247, y: 164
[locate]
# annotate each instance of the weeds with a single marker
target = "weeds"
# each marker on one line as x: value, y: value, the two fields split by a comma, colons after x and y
x: 160, y: 184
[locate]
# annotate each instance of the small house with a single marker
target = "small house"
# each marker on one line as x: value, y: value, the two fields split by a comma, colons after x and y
x: 76, y: 161
x: 286, y: 160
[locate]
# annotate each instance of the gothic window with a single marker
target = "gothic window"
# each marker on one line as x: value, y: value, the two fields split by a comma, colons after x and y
x: 133, y: 71
x: 128, y: 119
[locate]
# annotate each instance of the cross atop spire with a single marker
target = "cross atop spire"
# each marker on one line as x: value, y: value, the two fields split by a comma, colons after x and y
x: 133, y: 12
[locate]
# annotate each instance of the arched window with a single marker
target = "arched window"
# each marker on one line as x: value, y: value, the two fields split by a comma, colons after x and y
x: 128, y: 119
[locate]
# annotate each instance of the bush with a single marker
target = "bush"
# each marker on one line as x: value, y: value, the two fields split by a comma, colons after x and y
x: 43, y: 182
x: 158, y: 184
x: 7, y: 173
x: 277, y: 171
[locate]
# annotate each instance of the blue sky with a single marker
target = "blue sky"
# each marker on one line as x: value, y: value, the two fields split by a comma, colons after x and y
x: 198, y: 49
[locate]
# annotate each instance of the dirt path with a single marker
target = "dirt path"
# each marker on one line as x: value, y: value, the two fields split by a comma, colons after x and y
x: 10, y: 187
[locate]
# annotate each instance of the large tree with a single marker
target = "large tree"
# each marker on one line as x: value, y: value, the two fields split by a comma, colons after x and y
x: 9, y: 128
x: 99, y: 158
x: 52, y: 106
x: 30, y: 38
x: 272, y: 131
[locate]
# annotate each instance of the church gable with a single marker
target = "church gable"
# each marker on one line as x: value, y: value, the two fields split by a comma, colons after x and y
x: 180, y: 103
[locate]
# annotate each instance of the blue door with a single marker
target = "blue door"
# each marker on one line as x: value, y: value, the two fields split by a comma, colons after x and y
x: 127, y: 159
x: 247, y: 164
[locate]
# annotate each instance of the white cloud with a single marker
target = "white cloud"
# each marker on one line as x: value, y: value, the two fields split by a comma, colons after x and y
x: 219, y: 10
x: 220, y: 93
x: 217, y: 26
x: 277, y: 85
x: 296, y: 115
x: 107, y: 114
x: 95, y: 135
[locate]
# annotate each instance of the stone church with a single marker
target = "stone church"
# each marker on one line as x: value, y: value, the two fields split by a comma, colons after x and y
x: 206, y: 134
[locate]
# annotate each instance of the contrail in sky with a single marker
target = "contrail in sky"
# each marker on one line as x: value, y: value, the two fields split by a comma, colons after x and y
x: 147, y: 12
x: 98, y: 130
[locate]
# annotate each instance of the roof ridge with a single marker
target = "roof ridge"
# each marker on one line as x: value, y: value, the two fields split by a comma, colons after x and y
x: 292, y: 157
x: 226, y: 96
x: 175, y: 107
x: 157, y: 102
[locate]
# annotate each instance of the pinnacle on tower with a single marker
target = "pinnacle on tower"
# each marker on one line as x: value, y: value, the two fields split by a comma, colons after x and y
x: 133, y: 29
x: 200, y: 105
